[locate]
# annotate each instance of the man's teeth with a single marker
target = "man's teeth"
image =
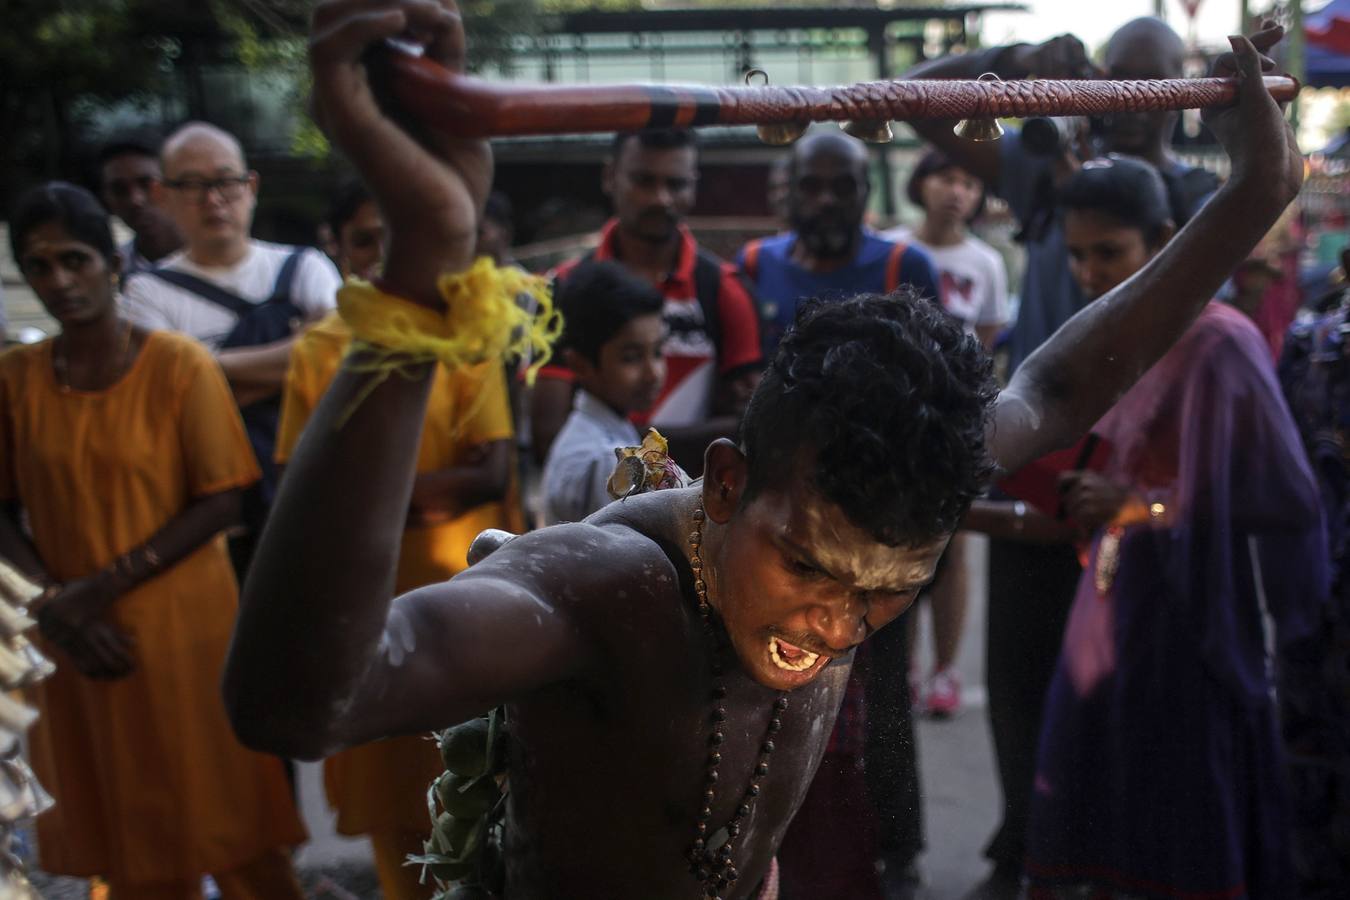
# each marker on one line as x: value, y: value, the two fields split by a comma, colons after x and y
x: 804, y: 662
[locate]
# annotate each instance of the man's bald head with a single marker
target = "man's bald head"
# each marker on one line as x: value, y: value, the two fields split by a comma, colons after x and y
x: 833, y: 145
x: 1145, y: 48
x: 210, y: 192
x: 827, y: 194
x: 200, y: 136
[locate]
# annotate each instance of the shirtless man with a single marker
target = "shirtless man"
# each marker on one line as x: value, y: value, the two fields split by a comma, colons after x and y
x: 819, y: 529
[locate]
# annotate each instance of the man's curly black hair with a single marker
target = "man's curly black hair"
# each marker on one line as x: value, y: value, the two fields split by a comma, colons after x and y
x: 889, y: 398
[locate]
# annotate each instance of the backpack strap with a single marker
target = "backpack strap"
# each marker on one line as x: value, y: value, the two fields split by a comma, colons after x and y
x: 750, y: 259
x: 281, y: 288
x: 708, y: 289
x: 214, y: 293
x: 893, y: 264
x: 202, y: 288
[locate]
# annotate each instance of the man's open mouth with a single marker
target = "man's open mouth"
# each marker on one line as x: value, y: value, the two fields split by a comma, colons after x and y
x: 789, y: 657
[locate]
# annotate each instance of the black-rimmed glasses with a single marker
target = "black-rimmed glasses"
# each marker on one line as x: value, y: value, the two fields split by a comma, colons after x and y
x: 230, y: 187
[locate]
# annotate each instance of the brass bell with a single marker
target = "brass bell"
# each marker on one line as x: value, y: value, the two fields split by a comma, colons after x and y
x: 979, y: 129
x: 781, y: 133
x: 876, y: 131
x: 982, y: 130
x: 777, y: 133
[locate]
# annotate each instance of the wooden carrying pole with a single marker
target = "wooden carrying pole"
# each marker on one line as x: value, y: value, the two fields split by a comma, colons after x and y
x: 470, y: 107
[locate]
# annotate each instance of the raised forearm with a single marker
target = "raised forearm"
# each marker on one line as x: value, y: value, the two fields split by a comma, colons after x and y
x: 315, y: 604
x: 981, y: 158
x: 1077, y: 375
x: 1003, y: 60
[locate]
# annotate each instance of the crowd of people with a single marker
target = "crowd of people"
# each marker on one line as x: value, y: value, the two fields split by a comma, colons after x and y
x: 205, y: 418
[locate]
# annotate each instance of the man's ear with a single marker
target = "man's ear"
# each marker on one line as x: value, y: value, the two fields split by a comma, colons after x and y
x: 607, y: 178
x: 725, y: 472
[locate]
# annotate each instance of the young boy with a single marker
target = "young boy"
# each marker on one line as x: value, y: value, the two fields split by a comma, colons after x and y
x: 612, y: 339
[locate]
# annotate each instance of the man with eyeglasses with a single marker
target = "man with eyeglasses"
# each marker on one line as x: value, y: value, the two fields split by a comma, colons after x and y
x: 712, y: 354
x: 129, y: 170
x: 863, y: 806
x: 245, y: 299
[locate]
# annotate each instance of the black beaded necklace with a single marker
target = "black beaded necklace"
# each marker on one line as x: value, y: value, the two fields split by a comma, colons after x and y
x: 711, y: 857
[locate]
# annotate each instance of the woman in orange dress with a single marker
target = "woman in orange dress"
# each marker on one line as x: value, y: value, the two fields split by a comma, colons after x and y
x: 121, y: 460
x: 463, y: 487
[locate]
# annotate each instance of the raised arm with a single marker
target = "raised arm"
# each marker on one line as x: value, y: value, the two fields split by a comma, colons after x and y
x: 319, y: 659
x: 1066, y: 385
x: 1060, y: 57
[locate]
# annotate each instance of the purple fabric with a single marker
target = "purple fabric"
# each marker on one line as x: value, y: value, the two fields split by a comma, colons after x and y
x: 1160, y: 772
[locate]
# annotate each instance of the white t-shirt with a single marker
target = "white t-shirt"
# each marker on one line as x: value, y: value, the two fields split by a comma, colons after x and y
x: 581, y: 459
x: 974, y: 279
x: 154, y: 303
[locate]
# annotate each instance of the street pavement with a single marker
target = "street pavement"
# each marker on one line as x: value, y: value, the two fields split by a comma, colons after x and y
x: 961, y: 799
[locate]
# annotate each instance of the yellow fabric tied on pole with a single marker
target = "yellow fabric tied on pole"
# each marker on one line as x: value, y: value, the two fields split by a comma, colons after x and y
x: 491, y: 314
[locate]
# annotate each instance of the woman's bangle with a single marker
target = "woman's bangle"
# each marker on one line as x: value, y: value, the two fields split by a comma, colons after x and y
x: 1019, y: 516
x: 133, y: 567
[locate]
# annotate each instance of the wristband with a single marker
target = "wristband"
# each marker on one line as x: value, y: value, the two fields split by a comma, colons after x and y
x: 484, y: 320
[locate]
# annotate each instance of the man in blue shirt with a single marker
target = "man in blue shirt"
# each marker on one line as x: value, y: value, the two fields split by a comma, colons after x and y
x: 828, y: 253
x: 863, y: 806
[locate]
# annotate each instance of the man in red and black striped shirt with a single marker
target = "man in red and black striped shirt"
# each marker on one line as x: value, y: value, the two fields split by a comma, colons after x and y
x: 713, y: 355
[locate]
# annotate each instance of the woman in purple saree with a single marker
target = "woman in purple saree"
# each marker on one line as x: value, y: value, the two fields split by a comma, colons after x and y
x: 1160, y: 772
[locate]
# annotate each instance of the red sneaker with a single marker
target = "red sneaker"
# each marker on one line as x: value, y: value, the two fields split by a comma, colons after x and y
x: 944, y: 694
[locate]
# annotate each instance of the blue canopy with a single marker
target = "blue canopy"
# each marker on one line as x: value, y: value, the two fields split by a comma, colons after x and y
x: 1325, y: 67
